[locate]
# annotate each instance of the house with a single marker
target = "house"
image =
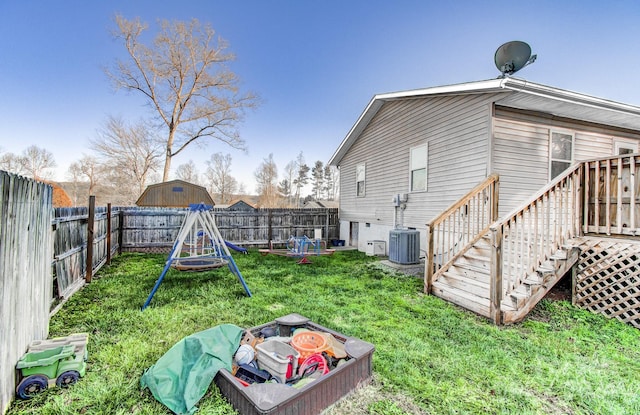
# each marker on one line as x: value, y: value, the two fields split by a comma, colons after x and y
x: 241, y: 205
x: 174, y: 193
x: 321, y: 204
x: 413, y: 156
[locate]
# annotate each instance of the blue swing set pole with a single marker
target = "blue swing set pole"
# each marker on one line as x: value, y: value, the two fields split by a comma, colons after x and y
x: 234, y: 269
x: 161, y: 277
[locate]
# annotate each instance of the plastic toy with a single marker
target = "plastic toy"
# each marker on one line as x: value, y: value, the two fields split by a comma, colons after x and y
x: 300, y: 247
x: 59, y: 362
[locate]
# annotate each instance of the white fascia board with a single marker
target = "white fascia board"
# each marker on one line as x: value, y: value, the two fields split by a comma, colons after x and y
x: 519, y: 85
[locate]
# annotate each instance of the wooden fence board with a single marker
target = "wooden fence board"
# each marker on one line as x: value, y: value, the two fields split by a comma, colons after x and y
x: 25, y: 271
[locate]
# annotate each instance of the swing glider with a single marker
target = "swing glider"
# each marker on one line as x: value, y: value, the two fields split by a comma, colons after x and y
x: 199, y: 247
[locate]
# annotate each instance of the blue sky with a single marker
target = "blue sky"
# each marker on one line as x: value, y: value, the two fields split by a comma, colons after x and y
x: 315, y: 64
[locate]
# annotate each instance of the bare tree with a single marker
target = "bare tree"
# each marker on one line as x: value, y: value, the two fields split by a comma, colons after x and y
x: 286, y: 185
x: 331, y: 182
x: 86, y: 170
x: 37, y: 162
x: 185, y: 80
x: 267, y: 182
x: 302, y: 179
x: 188, y: 172
x: 219, y: 176
x: 129, y: 153
x: 11, y: 163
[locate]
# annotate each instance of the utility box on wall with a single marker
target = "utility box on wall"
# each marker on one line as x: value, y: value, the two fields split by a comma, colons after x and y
x: 404, y: 246
x: 376, y: 248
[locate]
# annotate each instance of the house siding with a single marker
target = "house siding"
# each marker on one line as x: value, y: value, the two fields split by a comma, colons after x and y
x: 456, y: 129
x: 521, y: 150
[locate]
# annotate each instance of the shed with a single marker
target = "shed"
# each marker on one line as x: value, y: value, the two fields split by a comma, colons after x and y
x: 174, y: 193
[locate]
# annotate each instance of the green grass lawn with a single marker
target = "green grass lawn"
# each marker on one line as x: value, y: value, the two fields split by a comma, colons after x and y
x: 431, y: 357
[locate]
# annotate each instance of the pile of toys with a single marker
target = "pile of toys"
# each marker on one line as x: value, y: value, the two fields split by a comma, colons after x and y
x: 295, y: 360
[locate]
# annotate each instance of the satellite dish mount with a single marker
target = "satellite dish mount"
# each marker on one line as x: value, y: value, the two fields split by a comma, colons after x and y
x: 513, y: 56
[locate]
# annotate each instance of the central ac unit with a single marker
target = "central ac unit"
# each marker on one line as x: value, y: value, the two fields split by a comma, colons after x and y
x: 404, y: 246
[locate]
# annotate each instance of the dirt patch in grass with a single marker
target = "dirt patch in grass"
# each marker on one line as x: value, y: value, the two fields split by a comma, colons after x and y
x: 372, y: 399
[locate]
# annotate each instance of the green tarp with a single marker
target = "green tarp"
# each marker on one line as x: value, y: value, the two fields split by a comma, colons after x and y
x: 181, y: 377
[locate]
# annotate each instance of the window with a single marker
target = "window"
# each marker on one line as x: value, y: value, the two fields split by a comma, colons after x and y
x: 624, y: 147
x: 360, y: 176
x: 561, y: 152
x: 418, y: 163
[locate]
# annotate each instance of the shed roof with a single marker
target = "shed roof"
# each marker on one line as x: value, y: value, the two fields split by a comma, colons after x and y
x: 518, y: 94
x: 174, y: 193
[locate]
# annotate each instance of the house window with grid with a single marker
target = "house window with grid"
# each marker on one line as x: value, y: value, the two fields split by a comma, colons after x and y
x: 360, y: 180
x: 561, y: 156
x: 418, y: 163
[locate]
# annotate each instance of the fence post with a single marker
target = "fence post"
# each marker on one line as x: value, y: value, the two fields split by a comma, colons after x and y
x: 495, y: 282
x: 108, y: 233
x: 269, y: 229
x: 90, y: 224
x: 120, y: 230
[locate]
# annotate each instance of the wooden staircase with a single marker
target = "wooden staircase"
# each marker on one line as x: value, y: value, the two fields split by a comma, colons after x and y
x: 502, y: 268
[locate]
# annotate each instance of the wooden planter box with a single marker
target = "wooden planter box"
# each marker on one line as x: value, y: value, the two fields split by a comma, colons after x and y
x: 280, y: 399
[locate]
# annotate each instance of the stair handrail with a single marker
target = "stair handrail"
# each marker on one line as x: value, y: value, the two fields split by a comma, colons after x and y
x: 526, y: 237
x: 463, y: 223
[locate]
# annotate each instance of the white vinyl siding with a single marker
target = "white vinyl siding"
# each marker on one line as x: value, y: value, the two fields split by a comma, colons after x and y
x: 521, y: 152
x: 418, y: 172
x: 456, y: 129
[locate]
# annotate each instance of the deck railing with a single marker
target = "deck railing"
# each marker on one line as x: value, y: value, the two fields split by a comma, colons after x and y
x: 451, y: 233
x: 524, y: 239
x: 612, y: 190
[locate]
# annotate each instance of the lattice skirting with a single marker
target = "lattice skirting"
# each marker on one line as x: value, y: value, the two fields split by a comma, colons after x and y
x: 608, y: 279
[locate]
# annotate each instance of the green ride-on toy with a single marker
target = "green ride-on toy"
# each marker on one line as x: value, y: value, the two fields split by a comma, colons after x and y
x: 60, y: 362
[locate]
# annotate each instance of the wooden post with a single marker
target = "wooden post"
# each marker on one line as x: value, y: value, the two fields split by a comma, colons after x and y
x: 120, y: 230
x: 326, y: 233
x: 574, y: 282
x: 428, y: 263
x: 108, y: 233
x: 495, y: 282
x: 90, y: 223
x: 495, y: 196
x: 269, y: 230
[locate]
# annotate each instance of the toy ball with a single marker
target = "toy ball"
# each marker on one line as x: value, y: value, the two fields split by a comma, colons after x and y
x: 244, y: 355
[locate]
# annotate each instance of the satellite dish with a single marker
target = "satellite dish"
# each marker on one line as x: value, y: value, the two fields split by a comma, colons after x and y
x: 513, y: 56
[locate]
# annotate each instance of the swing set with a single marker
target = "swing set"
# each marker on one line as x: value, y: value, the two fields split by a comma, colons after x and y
x: 199, y: 247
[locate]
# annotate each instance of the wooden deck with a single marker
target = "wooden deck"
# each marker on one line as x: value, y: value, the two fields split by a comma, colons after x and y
x: 501, y: 269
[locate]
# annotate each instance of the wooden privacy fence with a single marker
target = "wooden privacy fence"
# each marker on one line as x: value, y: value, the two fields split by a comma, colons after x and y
x: 138, y: 229
x: 25, y: 271
x: 155, y: 229
x: 71, y: 246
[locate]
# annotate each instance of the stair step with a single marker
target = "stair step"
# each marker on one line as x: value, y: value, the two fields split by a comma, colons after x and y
x: 471, y: 271
x: 470, y: 301
x: 474, y: 286
x: 476, y: 257
x: 516, y: 300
